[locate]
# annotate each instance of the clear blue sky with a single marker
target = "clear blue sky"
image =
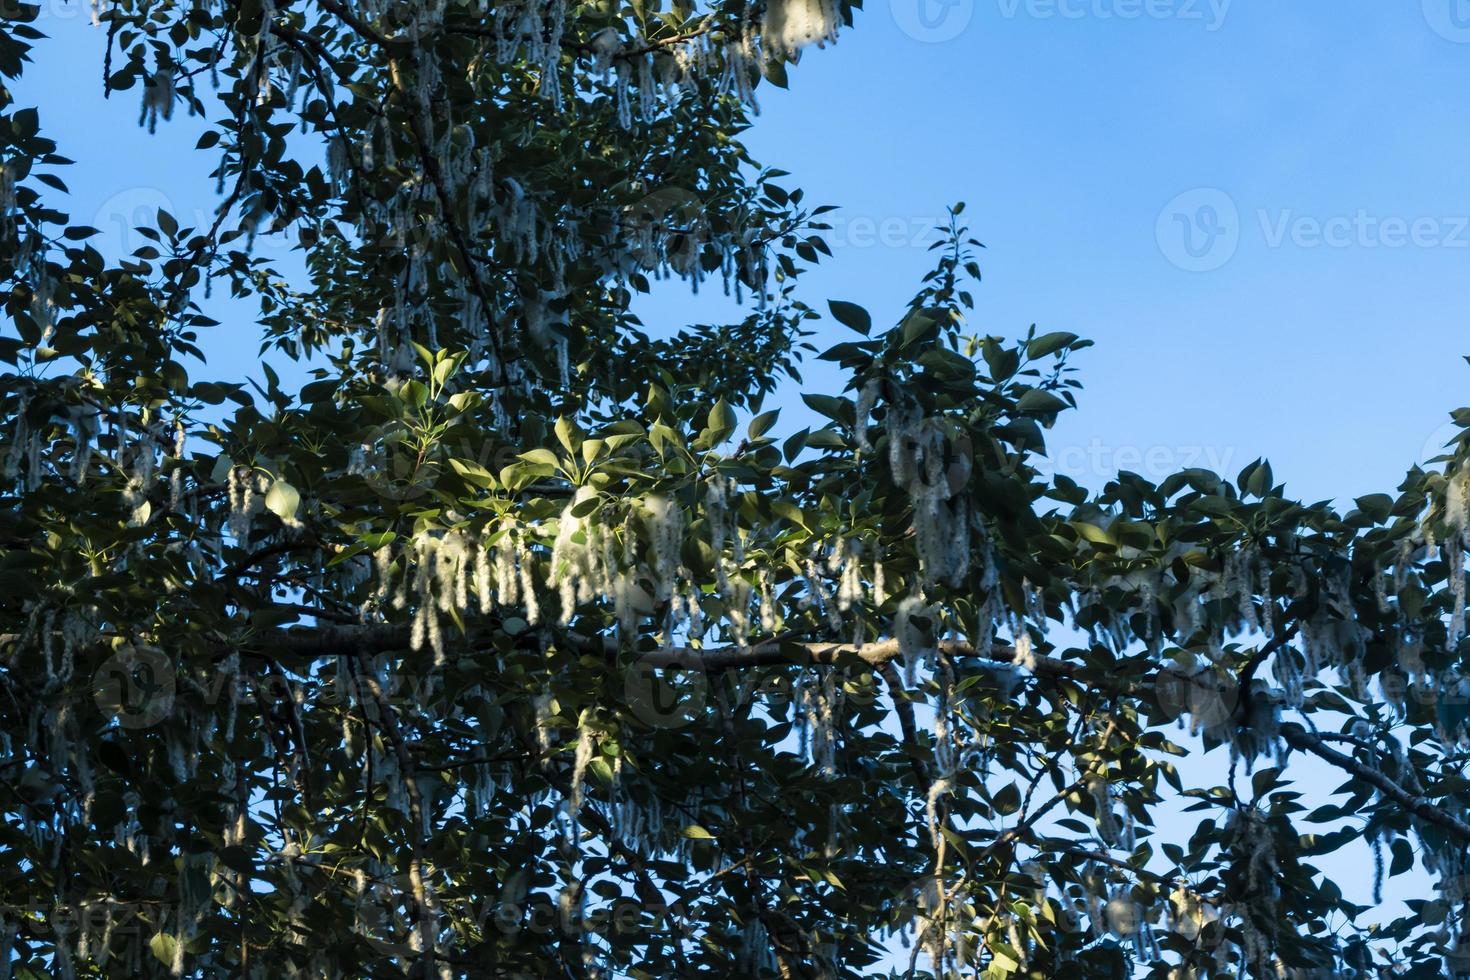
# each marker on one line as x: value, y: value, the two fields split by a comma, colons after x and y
x: 1069, y: 136
x: 1072, y: 128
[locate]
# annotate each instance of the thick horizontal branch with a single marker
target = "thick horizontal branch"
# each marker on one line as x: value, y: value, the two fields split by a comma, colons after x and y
x: 1299, y: 738
x: 773, y: 653
x: 330, y: 640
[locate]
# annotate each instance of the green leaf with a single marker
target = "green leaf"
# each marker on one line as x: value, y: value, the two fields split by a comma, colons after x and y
x: 1403, y: 857
x: 1049, y: 344
x: 444, y: 370
x: 283, y: 500
x: 919, y: 325
x: 851, y: 315
x: 762, y: 423
x: 721, y: 421
x: 835, y: 408
x: 695, y: 832
x: 163, y: 945
x: 568, y: 434
x: 473, y: 473
x: 1093, y: 533
x: 795, y: 444
x: 1040, y: 402
x: 541, y: 456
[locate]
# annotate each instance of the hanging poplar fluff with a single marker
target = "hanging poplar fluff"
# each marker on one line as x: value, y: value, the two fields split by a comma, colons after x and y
x: 1188, y: 914
x: 586, y: 744
x: 158, y: 98
x: 819, y: 705
x: 1331, y: 638
x: 244, y: 493
x: 581, y: 558
x: 1452, y: 718
x: 1456, y: 521
x: 933, y: 474
x: 666, y: 526
x: 915, y: 644
x: 19, y: 439
x: 1113, y: 832
x: 943, y: 921
x: 867, y: 400
x: 790, y: 25
x: 1252, y: 848
x: 438, y: 575
x: 8, y: 211
x: 1260, y: 732
x: 176, y: 475
x: 722, y: 530
x: 1207, y: 706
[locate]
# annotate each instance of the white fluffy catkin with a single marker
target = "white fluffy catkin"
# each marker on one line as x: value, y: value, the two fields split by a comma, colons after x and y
x: 790, y: 25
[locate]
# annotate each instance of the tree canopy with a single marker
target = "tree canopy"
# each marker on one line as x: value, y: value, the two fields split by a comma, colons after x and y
x: 515, y: 643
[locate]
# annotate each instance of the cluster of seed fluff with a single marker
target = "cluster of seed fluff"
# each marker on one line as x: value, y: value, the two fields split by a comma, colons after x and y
x: 533, y: 30
x: 665, y: 234
x: 1456, y: 522
x: 666, y: 240
x: 582, y: 757
x: 1452, y: 694
x: 943, y: 926
x: 1259, y: 733
x: 790, y: 25
x: 436, y: 581
x: 918, y: 458
x: 1243, y: 576
x: 1126, y: 918
x: 1114, y: 833
x: 915, y: 644
x: 1206, y: 697
x: 817, y: 704
x: 24, y: 447
x: 158, y: 98
x: 867, y: 400
x: 1252, y: 844
x: 649, y: 826
x: 244, y: 495
x: 755, y: 953
x: 1331, y: 638
x: 438, y: 570
x: 62, y: 636
x: 1189, y: 914
x: 582, y: 563
x: 9, y: 212
x: 665, y: 523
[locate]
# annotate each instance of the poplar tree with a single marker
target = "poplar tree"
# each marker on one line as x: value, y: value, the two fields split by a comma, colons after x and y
x: 515, y: 642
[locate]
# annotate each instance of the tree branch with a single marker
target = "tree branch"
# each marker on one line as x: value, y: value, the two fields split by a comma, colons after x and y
x: 1299, y: 738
